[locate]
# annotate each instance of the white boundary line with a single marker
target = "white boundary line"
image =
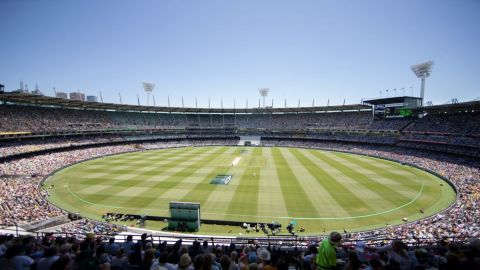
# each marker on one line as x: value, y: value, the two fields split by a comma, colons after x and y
x: 287, y: 217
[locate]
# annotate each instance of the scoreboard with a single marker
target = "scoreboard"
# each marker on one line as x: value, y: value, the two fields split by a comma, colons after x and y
x: 382, y: 112
x: 395, y: 107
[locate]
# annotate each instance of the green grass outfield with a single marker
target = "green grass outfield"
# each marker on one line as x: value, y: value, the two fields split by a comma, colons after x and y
x: 322, y: 190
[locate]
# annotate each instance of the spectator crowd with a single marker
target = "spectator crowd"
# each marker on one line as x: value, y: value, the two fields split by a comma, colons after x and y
x: 22, y: 200
x: 462, y: 220
x: 147, y: 253
x: 17, y: 118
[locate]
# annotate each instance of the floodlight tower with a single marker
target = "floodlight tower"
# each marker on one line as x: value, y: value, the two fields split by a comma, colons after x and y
x: 263, y: 92
x: 148, y: 87
x: 423, y: 71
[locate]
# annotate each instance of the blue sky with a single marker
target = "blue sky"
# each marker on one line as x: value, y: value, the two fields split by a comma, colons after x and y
x: 322, y: 50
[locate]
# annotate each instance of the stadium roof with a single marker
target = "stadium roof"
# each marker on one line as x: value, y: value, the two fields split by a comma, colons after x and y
x: 31, y: 99
x: 469, y: 106
x: 462, y: 107
x: 389, y: 100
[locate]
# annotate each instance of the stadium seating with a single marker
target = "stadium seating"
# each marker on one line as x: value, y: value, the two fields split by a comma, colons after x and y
x: 447, y: 124
x: 57, y: 137
x: 150, y: 252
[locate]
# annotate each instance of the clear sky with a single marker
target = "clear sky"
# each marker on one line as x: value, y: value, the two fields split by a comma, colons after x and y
x: 229, y: 49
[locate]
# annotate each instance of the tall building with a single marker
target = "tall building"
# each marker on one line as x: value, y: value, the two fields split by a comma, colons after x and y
x: 23, y: 88
x: 62, y: 95
x: 37, y: 91
x: 92, y: 99
x: 77, y: 96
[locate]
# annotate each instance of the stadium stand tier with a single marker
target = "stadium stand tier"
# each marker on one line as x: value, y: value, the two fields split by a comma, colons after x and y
x: 39, y: 135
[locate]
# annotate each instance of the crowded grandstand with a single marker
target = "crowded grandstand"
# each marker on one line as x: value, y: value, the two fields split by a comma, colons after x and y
x: 40, y: 135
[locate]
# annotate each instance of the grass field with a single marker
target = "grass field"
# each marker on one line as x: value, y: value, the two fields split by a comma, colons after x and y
x: 322, y: 190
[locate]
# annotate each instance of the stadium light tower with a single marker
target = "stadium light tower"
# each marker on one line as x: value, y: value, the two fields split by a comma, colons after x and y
x: 148, y: 87
x: 263, y: 92
x: 423, y: 71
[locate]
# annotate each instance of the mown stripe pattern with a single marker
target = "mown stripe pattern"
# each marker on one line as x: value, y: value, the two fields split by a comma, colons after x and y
x: 322, y: 189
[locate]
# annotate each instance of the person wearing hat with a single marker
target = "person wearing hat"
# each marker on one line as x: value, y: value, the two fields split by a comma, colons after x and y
x: 327, y: 255
x: 264, y: 255
x: 185, y: 262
